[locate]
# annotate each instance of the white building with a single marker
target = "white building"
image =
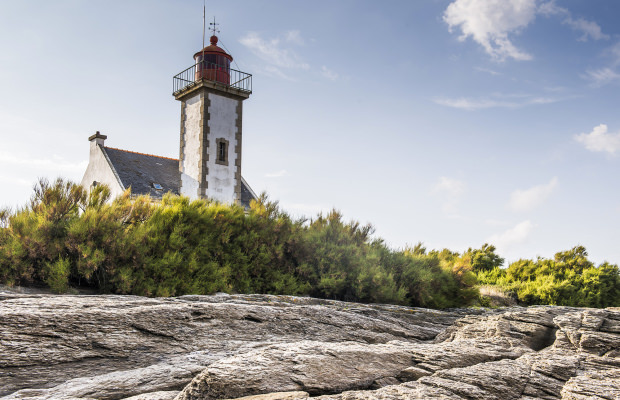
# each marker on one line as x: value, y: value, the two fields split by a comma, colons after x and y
x: 209, y: 164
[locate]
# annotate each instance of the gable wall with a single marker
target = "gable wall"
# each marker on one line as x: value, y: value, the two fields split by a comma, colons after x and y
x: 99, y: 170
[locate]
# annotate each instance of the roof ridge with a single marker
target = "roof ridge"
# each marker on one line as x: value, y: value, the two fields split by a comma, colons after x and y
x: 143, y: 154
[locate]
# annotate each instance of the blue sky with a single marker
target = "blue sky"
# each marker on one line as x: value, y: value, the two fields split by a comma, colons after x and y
x: 450, y: 122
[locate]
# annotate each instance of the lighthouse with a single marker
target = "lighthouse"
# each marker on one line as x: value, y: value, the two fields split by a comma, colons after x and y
x: 211, y: 95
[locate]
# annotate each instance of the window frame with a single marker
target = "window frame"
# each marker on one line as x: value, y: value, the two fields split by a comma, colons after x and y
x: 218, y: 146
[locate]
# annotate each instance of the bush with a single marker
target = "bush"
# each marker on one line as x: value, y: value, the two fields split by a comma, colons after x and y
x: 569, y: 279
x: 65, y: 237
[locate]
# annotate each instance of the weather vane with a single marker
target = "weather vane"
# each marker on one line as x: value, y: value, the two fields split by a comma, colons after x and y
x: 213, y: 27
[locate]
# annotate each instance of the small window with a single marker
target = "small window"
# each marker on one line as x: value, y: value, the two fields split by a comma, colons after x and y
x: 221, y: 155
x: 157, y: 186
x: 222, y: 152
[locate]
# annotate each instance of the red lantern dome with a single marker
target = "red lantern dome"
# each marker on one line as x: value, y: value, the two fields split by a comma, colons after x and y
x: 213, y: 63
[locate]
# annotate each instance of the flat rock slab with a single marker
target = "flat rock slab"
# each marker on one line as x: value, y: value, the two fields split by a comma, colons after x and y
x: 120, y: 346
x: 261, y: 347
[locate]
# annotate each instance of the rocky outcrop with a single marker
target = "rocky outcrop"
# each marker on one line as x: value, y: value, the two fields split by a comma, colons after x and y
x: 317, y: 367
x: 280, y: 347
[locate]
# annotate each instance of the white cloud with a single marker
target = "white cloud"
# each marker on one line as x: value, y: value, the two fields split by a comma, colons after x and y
x: 272, y: 50
x: 305, y: 209
x: 489, y: 23
x: 328, y: 73
x: 449, y: 186
x: 498, y: 101
x: 278, y: 174
x: 609, y: 73
x: 528, y: 199
x: 614, y: 51
x: 279, y: 55
x: 602, y: 76
x: 495, y: 222
x: 600, y: 140
x: 56, y: 163
x: 488, y: 71
x: 589, y: 28
x: 294, y: 37
x: 469, y: 104
x: 450, y: 190
x: 11, y: 180
x: 515, y: 235
x: 277, y: 72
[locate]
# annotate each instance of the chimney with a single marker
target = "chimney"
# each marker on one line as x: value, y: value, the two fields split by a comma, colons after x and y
x: 97, y: 139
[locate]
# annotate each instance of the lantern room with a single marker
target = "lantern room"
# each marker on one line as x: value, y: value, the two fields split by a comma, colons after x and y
x: 213, y: 63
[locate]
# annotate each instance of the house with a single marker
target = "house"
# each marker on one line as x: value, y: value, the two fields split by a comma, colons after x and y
x: 209, y: 165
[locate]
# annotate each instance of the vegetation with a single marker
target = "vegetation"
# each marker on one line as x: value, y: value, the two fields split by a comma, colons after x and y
x: 66, y: 237
x: 569, y: 279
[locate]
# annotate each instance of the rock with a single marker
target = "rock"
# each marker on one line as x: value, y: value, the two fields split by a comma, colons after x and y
x: 593, y: 385
x: 313, y: 367
x: 557, y: 372
x: 318, y: 368
x: 166, y: 395
x: 283, y: 347
x: 533, y: 327
x: 277, y: 396
x: 176, y: 373
x: 412, y: 374
x: 120, y: 346
x: 590, y: 331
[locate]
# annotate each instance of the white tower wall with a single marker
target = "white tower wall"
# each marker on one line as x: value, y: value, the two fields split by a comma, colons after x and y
x: 208, y: 118
x: 191, y: 146
x: 221, y: 179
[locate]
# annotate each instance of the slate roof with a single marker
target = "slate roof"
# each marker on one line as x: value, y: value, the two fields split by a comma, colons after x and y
x: 141, y: 171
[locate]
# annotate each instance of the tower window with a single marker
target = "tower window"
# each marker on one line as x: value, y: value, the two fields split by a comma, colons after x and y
x: 222, y: 152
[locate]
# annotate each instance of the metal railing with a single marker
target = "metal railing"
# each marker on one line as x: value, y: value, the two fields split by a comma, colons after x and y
x: 212, y: 72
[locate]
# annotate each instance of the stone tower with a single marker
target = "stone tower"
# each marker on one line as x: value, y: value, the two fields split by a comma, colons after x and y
x: 211, y: 96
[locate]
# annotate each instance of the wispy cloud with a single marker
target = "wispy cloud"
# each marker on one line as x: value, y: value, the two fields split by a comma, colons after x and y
x: 56, y: 163
x: 600, y: 140
x: 328, y: 73
x: 601, y: 76
x: 306, y: 209
x: 273, y: 51
x: 278, y: 174
x: 589, y: 29
x: 450, y: 190
x: 279, y: 55
x: 528, y: 199
x: 496, y: 101
x: 515, y: 235
x: 493, y: 23
x: 276, y: 72
x: 608, y: 73
x: 11, y: 180
x: 488, y: 71
x: 294, y: 37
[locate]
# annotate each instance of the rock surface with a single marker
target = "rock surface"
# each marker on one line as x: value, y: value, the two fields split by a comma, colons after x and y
x: 279, y: 347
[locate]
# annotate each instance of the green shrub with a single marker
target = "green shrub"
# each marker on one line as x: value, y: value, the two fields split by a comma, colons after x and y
x: 569, y: 279
x: 65, y: 237
x: 56, y: 275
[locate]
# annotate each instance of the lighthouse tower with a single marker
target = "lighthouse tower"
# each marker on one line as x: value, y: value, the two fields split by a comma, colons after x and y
x: 211, y: 95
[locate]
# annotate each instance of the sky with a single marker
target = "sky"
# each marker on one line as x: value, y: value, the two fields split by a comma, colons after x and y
x: 448, y: 122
